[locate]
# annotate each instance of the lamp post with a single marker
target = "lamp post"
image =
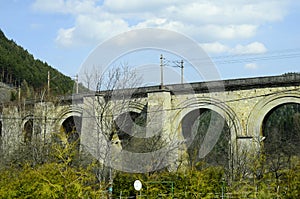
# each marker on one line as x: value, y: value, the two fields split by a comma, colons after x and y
x: 110, y: 183
x: 137, y: 186
x: 223, y: 188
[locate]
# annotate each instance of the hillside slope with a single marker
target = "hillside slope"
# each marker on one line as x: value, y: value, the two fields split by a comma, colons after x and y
x: 18, y: 66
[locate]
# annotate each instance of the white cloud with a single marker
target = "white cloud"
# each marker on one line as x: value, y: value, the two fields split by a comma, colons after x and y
x: 214, y: 47
x: 137, y: 6
x: 251, y: 66
x: 205, y: 20
x: 217, y: 48
x: 88, y: 30
x: 252, y: 48
x: 229, y: 31
x: 65, y: 36
x: 48, y: 5
x: 65, y: 6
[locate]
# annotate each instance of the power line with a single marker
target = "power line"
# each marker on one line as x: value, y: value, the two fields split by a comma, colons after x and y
x: 286, y: 51
x: 242, y: 58
x: 164, y: 62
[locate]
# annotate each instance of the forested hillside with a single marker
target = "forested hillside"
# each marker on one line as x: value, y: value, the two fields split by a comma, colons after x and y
x: 18, y: 67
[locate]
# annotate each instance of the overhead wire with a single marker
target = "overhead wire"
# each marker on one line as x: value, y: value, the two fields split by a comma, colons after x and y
x: 241, y: 58
x: 250, y: 57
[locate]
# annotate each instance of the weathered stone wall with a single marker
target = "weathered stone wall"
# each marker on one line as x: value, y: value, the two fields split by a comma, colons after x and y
x: 46, y: 118
x: 11, y: 129
x: 243, y: 103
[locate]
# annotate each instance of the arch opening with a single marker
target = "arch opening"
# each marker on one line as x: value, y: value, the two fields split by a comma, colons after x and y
x: 281, y: 132
x: 131, y: 130
x: 72, y: 128
x: 199, y: 129
x: 127, y: 124
x: 28, y: 131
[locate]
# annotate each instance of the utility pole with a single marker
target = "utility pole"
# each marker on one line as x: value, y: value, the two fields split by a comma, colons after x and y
x: 161, y: 71
x: 181, y: 66
x: 19, y: 93
x: 48, y: 87
x: 76, y: 80
x: 162, y: 64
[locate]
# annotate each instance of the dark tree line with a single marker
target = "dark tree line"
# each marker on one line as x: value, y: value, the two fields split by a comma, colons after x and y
x: 17, y: 65
x: 282, y: 131
x: 196, y: 126
x: 282, y: 138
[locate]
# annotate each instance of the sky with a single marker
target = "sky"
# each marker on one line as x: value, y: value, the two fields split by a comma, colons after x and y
x: 242, y: 38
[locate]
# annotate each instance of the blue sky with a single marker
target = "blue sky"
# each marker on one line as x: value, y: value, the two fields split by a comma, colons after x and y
x: 243, y: 38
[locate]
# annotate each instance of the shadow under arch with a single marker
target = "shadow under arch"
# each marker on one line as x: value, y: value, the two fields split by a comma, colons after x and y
x: 281, y: 131
x: 263, y: 107
x: 221, y: 110
x: 71, y: 126
x: 127, y: 125
x: 69, y: 122
x: 27, y: 128
x: 66, y: 113
x: 131, y: 131
x: 199, y: 128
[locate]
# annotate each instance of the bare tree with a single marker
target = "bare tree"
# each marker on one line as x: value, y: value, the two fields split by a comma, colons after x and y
x: 117, y: 135
x: 113, y: 90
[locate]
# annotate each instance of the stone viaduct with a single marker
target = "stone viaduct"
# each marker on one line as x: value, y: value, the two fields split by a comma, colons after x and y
x: 243, y: 103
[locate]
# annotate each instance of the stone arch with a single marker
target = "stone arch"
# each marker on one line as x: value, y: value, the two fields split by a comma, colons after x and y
x: 126, y: 108
x: 66, y: 113
x: 129, y: 106
x: 70, y: 121
x: 27, y: 128
x: 130, y: 116
x: 207, y: 142
x: 217, y: 106
x: 263, y: 107
x: 212, y: 104
x: 281, y: 135
x: 72, y: 128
